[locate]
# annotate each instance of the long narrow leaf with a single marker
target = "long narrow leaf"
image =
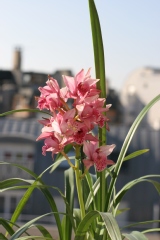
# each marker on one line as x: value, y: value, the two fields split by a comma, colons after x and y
x: 141, y: 223
x: 100, y: 74
x: 51, y: 201
x: 135, y: 235
x: 53, y: 206
x: 98, y: 48
x: 91, y: 193
x: 7, y: 226
x: 35, y: 237
x: 23, y: 110
x: 2, y: 237
x: 12, y: 181
x: 34, y: 175
x: 132, y: 183
x: 44, y: 231
x: 69, y: 194
x: 96, y: 187
x: 26, y: 226
x: 22, y: 202
x: 126, y: 145
x: 135, y: 154
x: 152, y: 230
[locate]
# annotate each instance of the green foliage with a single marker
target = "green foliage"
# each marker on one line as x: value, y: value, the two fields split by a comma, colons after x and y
x: 26, y: 226
x: 69, y: 194
x: 23, y: 110
x: 6, y: 226
x: 126, y: 145
x: 109, y: 222
x: 135, y: 235
x: 135, y: 154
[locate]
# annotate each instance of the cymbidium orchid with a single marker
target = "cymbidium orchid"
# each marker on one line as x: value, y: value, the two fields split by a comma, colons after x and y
x: 97, y: 155
x: 74, y: 125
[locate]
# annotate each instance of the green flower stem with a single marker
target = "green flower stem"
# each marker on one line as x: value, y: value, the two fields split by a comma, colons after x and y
x: 102, y: 190
x: 67, y: 158
x: 78, y: 183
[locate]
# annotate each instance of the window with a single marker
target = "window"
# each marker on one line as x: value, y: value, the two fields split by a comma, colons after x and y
x: 7, y: 155
x: 2, y: 204
x: 19, y: 156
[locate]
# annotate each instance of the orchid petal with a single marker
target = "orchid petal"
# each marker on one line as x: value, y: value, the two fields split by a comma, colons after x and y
x: 70, y: 83
x: 44, y: 135
x: 88, y: 163
x: 107, y: 149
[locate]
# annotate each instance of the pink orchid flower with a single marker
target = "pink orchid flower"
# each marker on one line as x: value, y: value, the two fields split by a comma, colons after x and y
x: 83, y: 135
x: 92, y: 113
x: 97, y: 155
x: 74, y: 125
x: 66, y: 123
x: 81, y: 85
x: 51, y: 95
x: 55, y: 143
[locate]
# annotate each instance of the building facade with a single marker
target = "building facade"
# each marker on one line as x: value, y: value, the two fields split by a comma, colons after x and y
x: 19, y: 131
x: 141, y: 86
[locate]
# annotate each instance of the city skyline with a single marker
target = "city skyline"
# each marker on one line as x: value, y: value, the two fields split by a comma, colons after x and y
x: 56, y: 35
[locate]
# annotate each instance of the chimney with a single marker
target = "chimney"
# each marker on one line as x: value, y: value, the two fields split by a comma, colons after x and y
x: 17, y: 59
x: 17, y: 66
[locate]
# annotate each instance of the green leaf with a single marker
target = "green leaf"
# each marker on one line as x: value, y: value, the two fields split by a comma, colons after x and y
x: 58, y: 162
x: 132, y: 183
x: 135, y: 154
x: 26, y: 226
x: 26, y: 196
x: 53, y: 166
x: 23, y: 110
x: 69, y: 194
x: 22, y: 168
x: 77, y: 216
x: 126, y: 145
x: 141, y: 223
x: 23, y: 201
x: 95, y: 188
x: 6, y: 225
x: 122, y: 210
x: 36, y: 184
x: 2, y: 237
x: 35, y: 237
x: 53, y: 206
x: 109, y: 222
x: 90, y: 196
x: 100, y: 74
x: 43, y: 230
x: 12, y: 181
x: 98, y: 48
x: 135, y: 235
x: 50, y: 199
x: 153, y: 229
x: 15, y: 188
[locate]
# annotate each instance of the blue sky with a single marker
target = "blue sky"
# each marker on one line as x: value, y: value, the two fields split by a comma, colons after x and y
x: 56, y: 35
